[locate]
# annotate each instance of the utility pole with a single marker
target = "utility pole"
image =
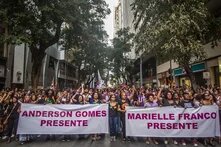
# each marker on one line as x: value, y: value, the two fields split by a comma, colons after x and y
x: 141, y: 72
x: 171, y: 74
x: 65, y: 69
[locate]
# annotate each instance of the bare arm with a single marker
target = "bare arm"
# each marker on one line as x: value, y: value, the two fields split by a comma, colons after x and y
x: 159, y: 93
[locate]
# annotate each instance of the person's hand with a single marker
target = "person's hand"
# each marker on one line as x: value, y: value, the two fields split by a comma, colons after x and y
x: 196, y: 106
x: 134, y: 88
x: 74, y: 100
x: 138, y: 103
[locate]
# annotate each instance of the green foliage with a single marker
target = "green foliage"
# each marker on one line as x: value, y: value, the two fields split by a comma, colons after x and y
x: 175, y: 29
x: 39, y: 21
x: 122, y: 44
x: 42, y: 23
x: 88, y: 40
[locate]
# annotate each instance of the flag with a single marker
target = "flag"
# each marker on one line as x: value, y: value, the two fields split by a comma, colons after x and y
x: 93, y: 81
x: 100, y: 83
x: 53, y: 85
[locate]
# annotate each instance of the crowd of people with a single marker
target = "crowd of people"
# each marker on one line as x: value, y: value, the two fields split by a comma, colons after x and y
x: 117, y: 98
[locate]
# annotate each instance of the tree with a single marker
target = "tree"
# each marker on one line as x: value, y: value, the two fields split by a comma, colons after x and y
x: 175, y: 29
x: 122, y: 44
x: 89, y: 54
x: 40, y: 24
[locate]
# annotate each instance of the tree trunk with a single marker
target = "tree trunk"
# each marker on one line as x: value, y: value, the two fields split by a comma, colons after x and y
x: 37, y: 58
x: 125, y: 79
x: 89, y: 81
x: 6, y: 48
x: 79, y: 76
x: 191, y: 76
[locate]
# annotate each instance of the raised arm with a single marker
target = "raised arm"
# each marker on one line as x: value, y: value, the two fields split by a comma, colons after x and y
x: 159, y: 93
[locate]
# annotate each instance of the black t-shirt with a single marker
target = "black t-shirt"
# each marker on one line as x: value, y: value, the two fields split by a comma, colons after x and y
x: 165, y: 102
x: 41, y: 101
x: 95, y: 101
x: 123, y: 103
x: 14, y: 109
x: 113, y: 110
x: 1, y: 109
x: 187, y: 103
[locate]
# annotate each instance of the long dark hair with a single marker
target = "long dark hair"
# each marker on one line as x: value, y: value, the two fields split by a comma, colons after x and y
x: 99, y: 96
x: 112, y: 96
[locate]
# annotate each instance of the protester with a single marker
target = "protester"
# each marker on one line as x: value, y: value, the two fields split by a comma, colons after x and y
x: 123, y: 102
x: 149, y: 103
x: 188, y: 102
x: 208, y: 100
x: 113, y: 116
x: 169, y: 101
x: 12, y: 118
x: 96, y: 99
x: 117, y: 98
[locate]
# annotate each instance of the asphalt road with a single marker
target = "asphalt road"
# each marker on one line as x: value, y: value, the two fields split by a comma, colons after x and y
x: 136, y: 142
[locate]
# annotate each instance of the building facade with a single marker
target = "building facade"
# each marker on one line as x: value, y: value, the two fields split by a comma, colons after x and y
x: 55, y: 70
x: 150, y: 72
x: 206, y: 72
x: 117, y: 18
x: 123, y: 18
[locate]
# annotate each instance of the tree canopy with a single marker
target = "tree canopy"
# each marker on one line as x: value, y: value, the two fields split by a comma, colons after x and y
x: 122, y: 45
x: 43, y: 23
x: 175, y: 29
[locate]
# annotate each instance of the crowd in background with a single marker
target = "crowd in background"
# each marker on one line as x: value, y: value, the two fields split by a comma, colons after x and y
x: 117, y: 98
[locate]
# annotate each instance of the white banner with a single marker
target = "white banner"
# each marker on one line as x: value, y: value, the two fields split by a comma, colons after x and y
x: 63, y: 119
x: 173, y: 122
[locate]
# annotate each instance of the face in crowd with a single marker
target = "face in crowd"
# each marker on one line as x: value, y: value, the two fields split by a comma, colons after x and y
x: 33, y: 98
x: 96, y: 95
x: 86, y: 91
x: 176, y: 96
x: 208, y: 97
x: 151, y: 98
x: 90, y: 92
x: 123, y: 95
x: 113, y: 98
x: 187, y: 96
x: 27, y: 98
x: 50, y: 92
x: 14, y: 100
x: 169, y: 96
x: 80, y: 98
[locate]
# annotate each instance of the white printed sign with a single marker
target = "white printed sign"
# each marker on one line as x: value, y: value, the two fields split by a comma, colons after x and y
x: 173, y: 122
x: 63, y: 119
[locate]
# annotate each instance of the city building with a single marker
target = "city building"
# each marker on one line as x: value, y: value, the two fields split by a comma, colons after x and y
x: 117, y: 18
x: 123, y: 18
x: 55, y: 70
x: 149, y: 71
x: 6, y: 56
x: 207, y: 72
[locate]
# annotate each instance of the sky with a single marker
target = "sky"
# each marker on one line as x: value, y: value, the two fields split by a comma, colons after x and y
x: 109, y: 21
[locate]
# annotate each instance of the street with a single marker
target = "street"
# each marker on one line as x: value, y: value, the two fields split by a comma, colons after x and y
x: 88, y: 143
